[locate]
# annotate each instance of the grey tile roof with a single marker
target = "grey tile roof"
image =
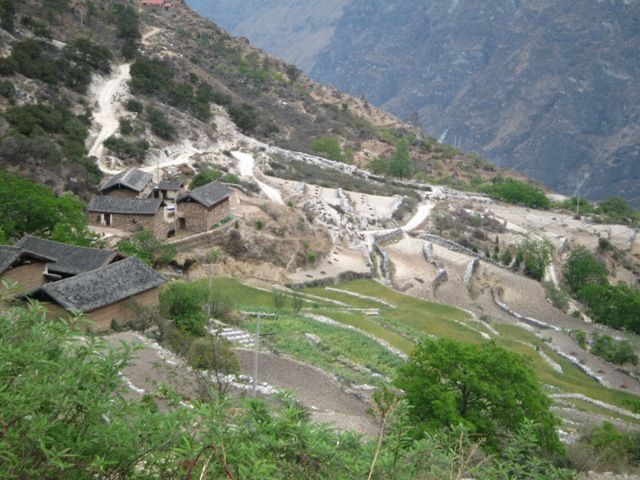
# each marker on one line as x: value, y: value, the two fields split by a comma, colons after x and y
x: 169, y: 185
x: 69, y: 259
x: 105, y: 286
x: 131, y: 206
x: 133, y: 179
x: 208, y: 194
x: 8, y: 255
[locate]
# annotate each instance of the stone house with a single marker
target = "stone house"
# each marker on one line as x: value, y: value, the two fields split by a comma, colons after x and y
x: 203, y: 207
x: 130, y: 183
x: 156, y: 3
x: 21, y: 271
x: 113, y: 293
x: 168, y: 189
x: 34, y: 261
x: 129, y: 214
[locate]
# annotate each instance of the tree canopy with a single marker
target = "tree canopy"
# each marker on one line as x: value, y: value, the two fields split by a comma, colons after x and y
x: 486, y: 388
x: 400, y: 164
x: 27, y: 207
x: 582, y: 268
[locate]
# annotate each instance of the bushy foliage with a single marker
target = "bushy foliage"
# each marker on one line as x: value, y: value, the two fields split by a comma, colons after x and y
x: 7, y: 90
x: 244, y: 116
x: 156, y: 78
x: 517, y: 192
x: 486, y: 388
x: 205, y: 177
x: 72, y: 66
x: 615, y: 351
x: 124, y: 149
x: 148, y: 248
x: 605, y: 448
x: 184, y: 304
x: 582, y: 268
x: 616, y: 209
x: 329, y: 147
x: 400, y: 164
x: 535, y: 255
x: 134, y: 106
x: 160, y: 126
x: 27, y: 207
x: 66, y: 412
x: 126, y: 20
x: 35, y: 128
x: 558, y: 297
x: 613, y: 305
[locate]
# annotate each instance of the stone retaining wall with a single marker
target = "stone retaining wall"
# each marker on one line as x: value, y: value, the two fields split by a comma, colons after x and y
x: 202, y: 239
x: 324, y: 282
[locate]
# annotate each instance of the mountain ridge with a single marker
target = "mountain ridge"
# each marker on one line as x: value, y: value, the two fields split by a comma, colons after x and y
x: 544, y: 87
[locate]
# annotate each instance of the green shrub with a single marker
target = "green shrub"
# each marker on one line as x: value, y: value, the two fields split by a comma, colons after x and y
x: 205, y: 177
x: 7, y: 90
x: 331, y: 148
x: 400, y: 164
x: 135, y: 106
x: 616, y: 306
x: 148, y: 248
x: 517, y: 192
x: 615, y: 351
x: 230, y: 178
x: 125, y: 126
x: 124, y: 149
x: 244, y: 116
x: 184, y: 304
x: 559, y: 298
x: 536, y: 256
x: 582, y: 268
x: 160, y: 126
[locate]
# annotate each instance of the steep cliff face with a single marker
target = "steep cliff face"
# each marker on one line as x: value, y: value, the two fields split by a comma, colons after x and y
x: 547, y: 87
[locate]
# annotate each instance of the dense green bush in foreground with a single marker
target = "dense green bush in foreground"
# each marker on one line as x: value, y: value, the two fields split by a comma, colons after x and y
x: 65, y: 412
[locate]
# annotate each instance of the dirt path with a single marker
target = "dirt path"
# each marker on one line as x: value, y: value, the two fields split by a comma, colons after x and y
x: 246, y: 166
x: 107, y: 93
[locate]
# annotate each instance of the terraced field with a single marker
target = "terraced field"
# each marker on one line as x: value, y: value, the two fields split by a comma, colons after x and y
x: 359, y: 331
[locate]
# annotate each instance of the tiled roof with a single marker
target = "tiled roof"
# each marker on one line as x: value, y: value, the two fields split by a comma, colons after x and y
x: 133, y: 179
x: 69, y: 259
x: 104, y: 286
x: 131, y: 206
x: 208, y: 195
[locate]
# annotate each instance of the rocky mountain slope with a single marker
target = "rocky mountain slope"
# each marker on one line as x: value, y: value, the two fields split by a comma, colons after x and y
x: 185, y: 70
x: 545, y: 87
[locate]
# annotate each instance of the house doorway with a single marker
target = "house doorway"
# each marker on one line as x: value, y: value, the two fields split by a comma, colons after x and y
x: 182, y: 222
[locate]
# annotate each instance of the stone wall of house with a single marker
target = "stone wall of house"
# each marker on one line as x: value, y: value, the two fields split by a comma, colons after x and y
x: 121, y: 193
x: 135, y: 223
x: 27, y: 277
x: 123, y: 311
x: 201, y: 219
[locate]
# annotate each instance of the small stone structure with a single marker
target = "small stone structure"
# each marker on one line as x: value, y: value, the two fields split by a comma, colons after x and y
x: 200, y: 209
x: 129, y: 214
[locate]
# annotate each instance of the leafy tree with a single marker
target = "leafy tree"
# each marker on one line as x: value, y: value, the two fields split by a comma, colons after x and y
x: 66, y: 412
x: 536, y: 254
x: 613, y: 305
x: 515, y: 191
x: 582, y: 268
x: 615, y: 351
x: 486, y: 388
x: 215, y: 356
x: 400, y: 164
x: 124, y: 149
x: 27, y: 207
x: 184, y: 304
x: 330, y: 148
x: 148, y: 248
x: 205, y: 177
